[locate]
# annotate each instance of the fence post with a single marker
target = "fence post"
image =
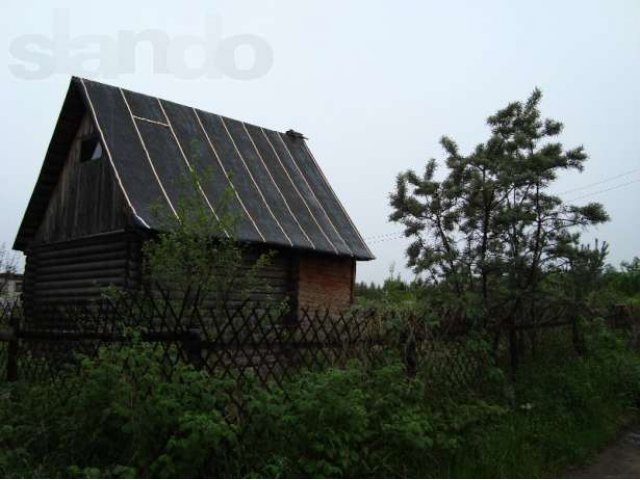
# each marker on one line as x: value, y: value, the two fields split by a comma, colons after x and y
x: 12, y: 349
x: 192, y: 345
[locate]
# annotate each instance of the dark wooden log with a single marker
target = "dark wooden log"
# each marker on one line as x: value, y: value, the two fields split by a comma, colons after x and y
x: 76, y: 274
x: 95, y: 267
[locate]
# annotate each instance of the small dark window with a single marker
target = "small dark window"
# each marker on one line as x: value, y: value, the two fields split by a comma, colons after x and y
x: 90, y: 149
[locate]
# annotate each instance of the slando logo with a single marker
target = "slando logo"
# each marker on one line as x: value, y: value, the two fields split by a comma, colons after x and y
x: 184, y: 56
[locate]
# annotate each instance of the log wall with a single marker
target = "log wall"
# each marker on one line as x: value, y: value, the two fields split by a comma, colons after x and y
x: 79, y: 270
x: 269, y: 284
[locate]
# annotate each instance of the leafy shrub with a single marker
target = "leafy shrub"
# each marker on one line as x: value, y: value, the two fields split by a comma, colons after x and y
x: 121, y: 416
x: 117, y: 415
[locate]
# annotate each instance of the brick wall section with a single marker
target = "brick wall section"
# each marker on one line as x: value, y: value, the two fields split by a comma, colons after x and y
x: 325, y: 281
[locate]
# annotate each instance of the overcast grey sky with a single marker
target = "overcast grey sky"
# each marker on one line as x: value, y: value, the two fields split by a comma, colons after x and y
x: 372, y: 84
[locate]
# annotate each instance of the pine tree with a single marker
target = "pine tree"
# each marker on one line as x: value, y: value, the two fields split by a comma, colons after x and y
x: 491, y: 230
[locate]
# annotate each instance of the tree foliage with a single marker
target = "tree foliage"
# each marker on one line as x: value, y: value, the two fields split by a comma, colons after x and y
x: 491, y: 230
x: 8, y: 266
x: 624, y: 282
x: 197, y: 250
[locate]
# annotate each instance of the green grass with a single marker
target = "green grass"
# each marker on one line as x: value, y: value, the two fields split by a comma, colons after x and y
x: 564, y: 410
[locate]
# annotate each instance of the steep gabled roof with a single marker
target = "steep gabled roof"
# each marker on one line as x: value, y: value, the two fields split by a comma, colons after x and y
x: 279, y: 194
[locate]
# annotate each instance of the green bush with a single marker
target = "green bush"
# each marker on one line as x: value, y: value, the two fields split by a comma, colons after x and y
x: 353, y: 423
x: 117, y: 416
x: 121, y: 416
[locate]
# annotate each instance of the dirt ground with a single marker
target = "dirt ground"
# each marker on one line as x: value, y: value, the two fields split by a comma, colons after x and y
x: 619, y: 460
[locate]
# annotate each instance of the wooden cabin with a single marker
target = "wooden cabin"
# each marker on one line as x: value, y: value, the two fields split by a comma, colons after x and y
x: 115, y: 154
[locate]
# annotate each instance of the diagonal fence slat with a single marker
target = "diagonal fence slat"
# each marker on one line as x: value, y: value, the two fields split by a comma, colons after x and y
x: 247, y: 342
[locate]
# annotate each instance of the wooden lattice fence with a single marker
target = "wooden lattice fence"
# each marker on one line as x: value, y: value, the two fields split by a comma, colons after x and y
x: 244, y: 341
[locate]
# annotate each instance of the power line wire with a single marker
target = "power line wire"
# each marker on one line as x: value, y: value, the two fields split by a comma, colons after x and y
x: 615, y: 187
x: 600, y: 182
x: 382, y: 235
x: 398, y: 235
x: 387, y: 239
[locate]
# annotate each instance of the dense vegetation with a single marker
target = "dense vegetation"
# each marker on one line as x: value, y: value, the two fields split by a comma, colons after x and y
x: 606, y: 285
x: 107, y: 420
